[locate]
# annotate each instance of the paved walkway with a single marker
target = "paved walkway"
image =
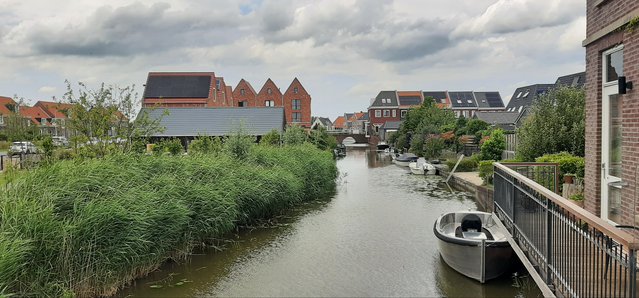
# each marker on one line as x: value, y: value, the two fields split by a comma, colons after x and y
x: 472, y: 177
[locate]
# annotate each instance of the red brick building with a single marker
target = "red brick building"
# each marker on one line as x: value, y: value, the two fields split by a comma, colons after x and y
x: 205, y: 89
x: 612, y: 117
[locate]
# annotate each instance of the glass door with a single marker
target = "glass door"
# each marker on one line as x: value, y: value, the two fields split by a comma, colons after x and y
x: 611, y: 136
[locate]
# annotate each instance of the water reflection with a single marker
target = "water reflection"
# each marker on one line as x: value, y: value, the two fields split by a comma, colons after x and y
x: 373, y: 238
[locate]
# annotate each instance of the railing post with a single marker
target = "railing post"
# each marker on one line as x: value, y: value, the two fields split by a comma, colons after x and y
x: 548, y: 242
x: 632, y: 259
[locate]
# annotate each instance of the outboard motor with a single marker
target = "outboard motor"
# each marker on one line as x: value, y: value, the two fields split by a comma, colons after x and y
x: 471, y: 222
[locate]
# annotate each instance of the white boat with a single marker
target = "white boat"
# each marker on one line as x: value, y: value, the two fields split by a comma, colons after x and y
x: 430, y: 169
x: 472, y: 243
x: 417, y: 167
x: 405, y: 159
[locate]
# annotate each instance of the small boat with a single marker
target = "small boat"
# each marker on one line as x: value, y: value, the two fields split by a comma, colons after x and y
x: 340, y: 151
x: 417, y: 167
x: 382, y: 146
x: 430, y: 169
x: 472, y: 243
x: 404, y: 159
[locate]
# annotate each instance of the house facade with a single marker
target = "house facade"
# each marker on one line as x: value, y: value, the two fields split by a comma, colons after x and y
x: 205, y: 89
x: 612, y: 110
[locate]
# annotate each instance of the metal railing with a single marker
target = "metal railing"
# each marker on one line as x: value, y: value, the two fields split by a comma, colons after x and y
x: 577, y: 253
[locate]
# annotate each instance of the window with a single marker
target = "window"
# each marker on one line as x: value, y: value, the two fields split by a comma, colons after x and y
x: 297, y: 104
x: 386, y: 113
x: 526, y: 94
x: 403, y: 114
x: 269, y: 91
x: 242, y: 91
x: 614, y: 69
x: 297, y: 117
x: 217, y: 84
x: 519, y: 94
x: 378, y: 113
x: 296, y: 90
x: 394, y: 113
x: 269, y: 103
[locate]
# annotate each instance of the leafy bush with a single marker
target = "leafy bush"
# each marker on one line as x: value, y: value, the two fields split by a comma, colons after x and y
x: 486, y: 171
x: 433, y: 147
x: 493, y: 147
x: 568, y: 163
x: 556, y: 124
x: 205, y: 145
x: 272, y: 138
x: 295, y: 135
x: 468, y: 164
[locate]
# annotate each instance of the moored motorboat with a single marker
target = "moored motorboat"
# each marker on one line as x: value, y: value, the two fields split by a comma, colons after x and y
x: 472, y: 243
x: 404, y: 159
x: 417, y: 167
x: 382, y: 146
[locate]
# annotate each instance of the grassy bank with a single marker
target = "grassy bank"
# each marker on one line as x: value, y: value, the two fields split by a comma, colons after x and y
x: 88, y: 227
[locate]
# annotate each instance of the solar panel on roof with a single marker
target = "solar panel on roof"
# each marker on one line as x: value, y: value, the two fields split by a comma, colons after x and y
x: 178, y: 87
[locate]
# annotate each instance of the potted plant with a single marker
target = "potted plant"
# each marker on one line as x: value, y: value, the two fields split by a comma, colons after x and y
x: 578, y: 199
x: 569, y: 178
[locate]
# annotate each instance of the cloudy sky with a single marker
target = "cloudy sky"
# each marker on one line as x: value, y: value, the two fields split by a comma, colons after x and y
x: 343, y: 51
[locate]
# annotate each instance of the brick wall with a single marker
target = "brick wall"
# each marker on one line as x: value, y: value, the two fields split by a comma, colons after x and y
x: 305, y: 99
x: 598, y: 18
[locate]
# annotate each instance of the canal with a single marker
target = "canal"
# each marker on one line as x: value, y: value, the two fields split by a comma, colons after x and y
x: 373, y: 238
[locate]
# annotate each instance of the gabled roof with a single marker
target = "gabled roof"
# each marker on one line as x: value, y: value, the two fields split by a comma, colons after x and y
x: 577, y: 80
x: 437, y: 96
x: 33, y: 113
x: 191, y: 122
x: 409, y: 98
x: 248, y: 85
x: 385, y: 99
x: 489, y: 100
x: 524, y: 96
x: 5, y: 102
x: 179, y: 85
x: 462, y: 99
x: 54, y: 109
x: 497, y: 117
x: 339, y: 122
x: 295, y: 83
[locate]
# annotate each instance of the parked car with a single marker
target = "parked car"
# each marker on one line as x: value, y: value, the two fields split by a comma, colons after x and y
x: 60, y: 141
x: 22, y: 148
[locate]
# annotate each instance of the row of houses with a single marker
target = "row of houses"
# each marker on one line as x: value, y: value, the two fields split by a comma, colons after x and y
x: 48, y: 116
x: 206, y: 90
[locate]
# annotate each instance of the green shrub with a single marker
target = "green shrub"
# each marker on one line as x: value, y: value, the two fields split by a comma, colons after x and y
x: 468, y: 164
x: 486, y: 171
x: 433, y: 147
x: 493, y: 147
x: 568, y: 163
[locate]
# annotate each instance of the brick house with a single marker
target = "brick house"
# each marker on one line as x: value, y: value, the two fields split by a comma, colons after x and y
x: 612, y: 117
x: 205, y: 89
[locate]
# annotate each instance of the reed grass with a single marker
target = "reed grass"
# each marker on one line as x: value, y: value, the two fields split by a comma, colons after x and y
x: 87, y: 228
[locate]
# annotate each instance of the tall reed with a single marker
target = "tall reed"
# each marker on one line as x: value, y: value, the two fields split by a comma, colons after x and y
x: 87, y: 228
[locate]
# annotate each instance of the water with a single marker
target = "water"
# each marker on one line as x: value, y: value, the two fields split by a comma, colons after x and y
x: 373, y: 238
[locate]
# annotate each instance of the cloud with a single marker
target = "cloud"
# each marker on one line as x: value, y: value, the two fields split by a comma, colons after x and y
x: 122, y: 31
x: 508, y: 16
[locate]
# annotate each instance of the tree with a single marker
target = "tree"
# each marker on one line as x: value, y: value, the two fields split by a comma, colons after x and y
x: 107, y: 117
x: 556, y: 124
